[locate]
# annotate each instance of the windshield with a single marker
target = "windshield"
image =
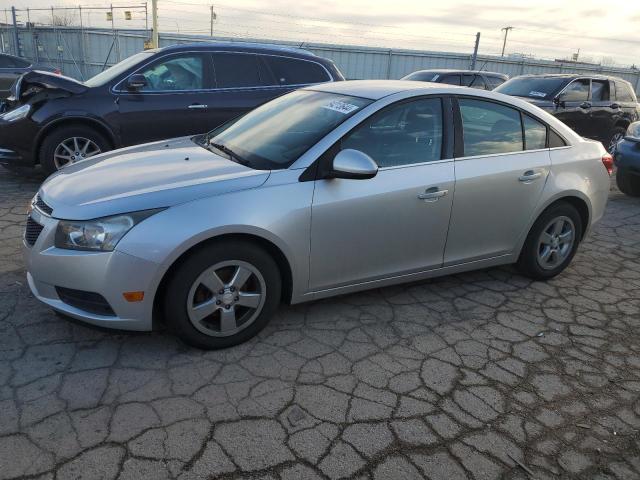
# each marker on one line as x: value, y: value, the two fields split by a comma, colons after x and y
x: 276, y: 134
x: 112, y: 72
x: 533, y: 87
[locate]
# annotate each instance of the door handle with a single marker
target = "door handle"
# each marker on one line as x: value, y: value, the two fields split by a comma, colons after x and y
x: 529, y: 176
x: 615, y: 106
x: 585, y: 105
x: 198, y: 106
x: 432, y: 194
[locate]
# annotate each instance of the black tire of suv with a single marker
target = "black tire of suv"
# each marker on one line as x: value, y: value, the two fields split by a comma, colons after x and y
x: 182, y: 279
x: 628, y: 183
x: 528, y: 262
x: 54, y: 138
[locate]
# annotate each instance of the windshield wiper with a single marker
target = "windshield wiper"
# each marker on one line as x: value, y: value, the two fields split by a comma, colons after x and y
x: 233, y: 156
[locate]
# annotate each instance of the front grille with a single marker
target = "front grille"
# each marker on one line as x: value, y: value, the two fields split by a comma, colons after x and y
x: 32, y: 232
x: 43, y: 207
x: 88, y: 301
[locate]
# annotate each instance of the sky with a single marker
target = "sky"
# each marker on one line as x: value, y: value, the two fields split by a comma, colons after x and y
x: 605, y: 32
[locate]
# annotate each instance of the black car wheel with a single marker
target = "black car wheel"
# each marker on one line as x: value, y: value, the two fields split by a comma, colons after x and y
x: 222, y: 294
x: 616, y: 135
x: 552, y: 242
x: 69, y: 144
x: 628, y: 183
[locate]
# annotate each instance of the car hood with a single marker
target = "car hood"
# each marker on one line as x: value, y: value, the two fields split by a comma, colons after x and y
x: 154, y: 175
x: 47, y: 81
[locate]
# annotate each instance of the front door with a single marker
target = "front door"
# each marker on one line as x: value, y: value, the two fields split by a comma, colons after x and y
x: 498, y: 182
x: 172, y: 104
x: 395, y: 223
x: 574, y: 107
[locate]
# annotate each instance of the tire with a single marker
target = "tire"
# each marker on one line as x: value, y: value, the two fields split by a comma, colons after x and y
x: 185, y: 290
x: 530, y: 262
x: 617, y: 134
x: 48, y: 150
x: 627, y: 183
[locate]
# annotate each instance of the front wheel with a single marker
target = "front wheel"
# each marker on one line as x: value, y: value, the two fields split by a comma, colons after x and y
x: 552, y: 242
x: 222, y: 294
x: 70, y: 144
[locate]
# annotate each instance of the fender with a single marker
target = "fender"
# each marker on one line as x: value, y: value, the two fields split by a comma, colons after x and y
x: 75, y: 116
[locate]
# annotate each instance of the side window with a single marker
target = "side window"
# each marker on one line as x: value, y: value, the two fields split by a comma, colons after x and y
x: 185, y: 72
x: 291, y: 71
x: 535, y: 133
x: 600, y: 91
x: 236, y: 70
x: 556, y: 140
x: 624, y: 93
x: 489, y: 128
x: 493, y: 82
x: 577, y: 91
x: 450, y: 79
x: 478, y: 82
x: 401, y: 134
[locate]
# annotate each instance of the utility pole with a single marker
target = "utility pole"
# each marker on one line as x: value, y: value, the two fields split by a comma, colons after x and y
x: 154, y: 23
x: 474, y: 59
x: 213, y: 16
x: 504, y: 43
x: 16, y: 37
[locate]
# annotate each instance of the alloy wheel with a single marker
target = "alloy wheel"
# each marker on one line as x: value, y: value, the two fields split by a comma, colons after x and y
x: 556, y: 242
x: 226, y: 298
x: 614, y: 142
x: 74, y: 149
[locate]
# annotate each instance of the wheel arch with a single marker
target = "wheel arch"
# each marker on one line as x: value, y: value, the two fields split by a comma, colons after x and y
x: 98, y: 125
x: 277, y: 254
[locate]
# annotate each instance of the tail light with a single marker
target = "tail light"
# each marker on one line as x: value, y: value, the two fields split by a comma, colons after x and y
x: 607, y: 161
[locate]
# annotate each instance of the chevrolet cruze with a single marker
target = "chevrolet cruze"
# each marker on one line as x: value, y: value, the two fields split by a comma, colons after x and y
x: 327, y: 190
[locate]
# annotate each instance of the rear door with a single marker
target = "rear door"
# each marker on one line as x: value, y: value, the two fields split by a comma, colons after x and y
x: 499, y: 179
x: 173, y: 103
x: 604, y: 115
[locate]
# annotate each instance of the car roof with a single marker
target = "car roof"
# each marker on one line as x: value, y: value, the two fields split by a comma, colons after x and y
x: 597, y: 76
x: 452, y: 70
x: 239, y: 47
x: 377, y: 89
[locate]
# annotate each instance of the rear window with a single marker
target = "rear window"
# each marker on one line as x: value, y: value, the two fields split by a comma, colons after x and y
x: 493, y: 82
x: 450, y: 79
x: 292, y: 71
x: 236, y: 70
x: 421, y: 76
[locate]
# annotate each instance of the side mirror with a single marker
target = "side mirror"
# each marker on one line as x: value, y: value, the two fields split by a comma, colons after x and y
x: 558, y: 100
x: 354, y: 165
x: 136, y: 81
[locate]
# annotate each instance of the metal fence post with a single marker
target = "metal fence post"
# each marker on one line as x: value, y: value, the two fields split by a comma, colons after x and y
x: 474, y: 58
x: 16, y: 38
x: 389, y: 64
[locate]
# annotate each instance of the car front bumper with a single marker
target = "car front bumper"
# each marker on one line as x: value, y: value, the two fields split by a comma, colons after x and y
x: 17, y: 142
x: 627, y: 157
x: 108, y: 274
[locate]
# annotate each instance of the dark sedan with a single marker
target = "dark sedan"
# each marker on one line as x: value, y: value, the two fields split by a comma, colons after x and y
x: 594, y: 106
x: 12, y: 67
x: 153, y: 95
x: 627, y: 160
x: 466, y: 78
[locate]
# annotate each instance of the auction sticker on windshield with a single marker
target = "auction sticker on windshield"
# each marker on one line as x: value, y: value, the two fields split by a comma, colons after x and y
x: 534, y: 93
x: 342, y: 107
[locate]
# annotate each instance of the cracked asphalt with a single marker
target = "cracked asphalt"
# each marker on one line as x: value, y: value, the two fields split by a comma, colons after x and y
x: 484, y: 375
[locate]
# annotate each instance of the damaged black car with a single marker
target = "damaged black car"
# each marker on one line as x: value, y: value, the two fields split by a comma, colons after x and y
x: 170, y: 92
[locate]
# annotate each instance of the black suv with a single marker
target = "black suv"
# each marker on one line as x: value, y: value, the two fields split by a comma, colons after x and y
x: 466, y: 78
x: 152, y: 95
x: 595, y: 106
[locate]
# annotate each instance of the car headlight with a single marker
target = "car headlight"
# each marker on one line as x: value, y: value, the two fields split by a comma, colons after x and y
x: 16, y: 114
x: 101, y: 234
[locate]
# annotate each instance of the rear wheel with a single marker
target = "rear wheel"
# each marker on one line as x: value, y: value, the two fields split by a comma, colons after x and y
x: 222, y: 295
x: 616, y: 135
x: 628, y: 183
x: 552, y: 242
x: 69, y: 144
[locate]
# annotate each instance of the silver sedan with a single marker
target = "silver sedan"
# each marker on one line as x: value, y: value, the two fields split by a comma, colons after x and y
x: 324, y: 191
